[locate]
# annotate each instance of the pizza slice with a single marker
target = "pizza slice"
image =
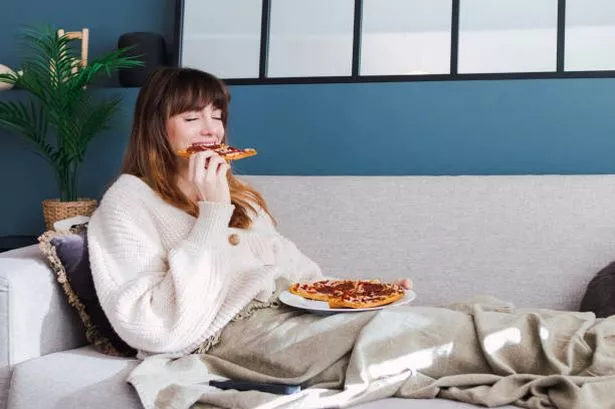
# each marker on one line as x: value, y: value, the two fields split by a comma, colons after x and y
x: 369, y: 295
x: 322, y: 290
x: 227, y: 152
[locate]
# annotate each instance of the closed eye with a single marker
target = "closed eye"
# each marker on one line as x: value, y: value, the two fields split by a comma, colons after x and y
x: 190, y: 119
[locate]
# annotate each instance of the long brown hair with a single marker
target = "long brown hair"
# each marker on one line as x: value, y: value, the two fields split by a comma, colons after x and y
x: 149, y: 156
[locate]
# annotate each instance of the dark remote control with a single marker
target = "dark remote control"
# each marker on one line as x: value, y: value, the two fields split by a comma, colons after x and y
x: 277, y: 388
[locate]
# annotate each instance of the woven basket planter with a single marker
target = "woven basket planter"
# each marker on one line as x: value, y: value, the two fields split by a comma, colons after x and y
x: 54, y: 210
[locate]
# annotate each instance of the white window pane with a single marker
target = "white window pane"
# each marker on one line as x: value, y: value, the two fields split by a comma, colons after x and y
x: 402, y: 37
x: 222, y: 38
x: 310, y: 38
x: 507, y: 36
x: 590, y: 35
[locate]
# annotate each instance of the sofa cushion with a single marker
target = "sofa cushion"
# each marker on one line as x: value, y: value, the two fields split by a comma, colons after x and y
x: 97, y: 381
x: 80, y: 378
x: 35, y: 318
x: 67, y: 253
x: 599, y: 296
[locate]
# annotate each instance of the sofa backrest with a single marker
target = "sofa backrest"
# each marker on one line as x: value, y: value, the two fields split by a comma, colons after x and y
x: 533, y: 240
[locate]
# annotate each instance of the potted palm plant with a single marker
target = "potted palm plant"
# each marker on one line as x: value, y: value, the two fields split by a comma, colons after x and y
x: 61, y: 116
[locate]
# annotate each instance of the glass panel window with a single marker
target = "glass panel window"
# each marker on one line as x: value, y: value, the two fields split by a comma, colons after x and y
x: 590, y: 35
x: 406, y: 37
x: 507, y: 36
x: 310, y: 38
x: 222, y: 37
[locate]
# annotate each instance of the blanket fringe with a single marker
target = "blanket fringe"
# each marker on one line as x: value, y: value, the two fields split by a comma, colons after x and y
x: 246, y: 312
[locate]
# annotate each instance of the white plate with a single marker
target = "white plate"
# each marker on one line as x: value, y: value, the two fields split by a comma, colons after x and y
x: 294, y: 300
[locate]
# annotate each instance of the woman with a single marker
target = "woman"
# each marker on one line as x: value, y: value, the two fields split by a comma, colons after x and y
x: 178, y: 247
x: 181, y: 252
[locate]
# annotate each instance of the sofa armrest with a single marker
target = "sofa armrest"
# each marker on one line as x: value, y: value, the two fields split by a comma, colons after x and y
x: 35, y: 318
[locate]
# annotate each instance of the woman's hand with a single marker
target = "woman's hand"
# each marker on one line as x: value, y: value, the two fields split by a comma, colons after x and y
x: 406, y: 283
x: 207, y: 171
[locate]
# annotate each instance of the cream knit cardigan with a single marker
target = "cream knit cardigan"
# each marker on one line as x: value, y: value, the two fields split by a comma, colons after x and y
x: 168, y: 281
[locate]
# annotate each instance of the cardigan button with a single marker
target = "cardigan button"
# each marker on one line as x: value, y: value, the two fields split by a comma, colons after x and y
x: 233, y: 239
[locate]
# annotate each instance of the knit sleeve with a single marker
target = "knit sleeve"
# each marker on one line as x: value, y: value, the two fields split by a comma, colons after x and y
x: 292, y: 263
x: 164, y: 301
x: 301, y: 267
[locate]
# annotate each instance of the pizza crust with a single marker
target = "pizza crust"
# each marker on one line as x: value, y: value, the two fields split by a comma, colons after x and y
x: 246, y: 153
x: 295, y: 289
x: 343, y: 303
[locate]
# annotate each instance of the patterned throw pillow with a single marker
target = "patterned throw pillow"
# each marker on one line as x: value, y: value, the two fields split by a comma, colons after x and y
x: 67, y: 253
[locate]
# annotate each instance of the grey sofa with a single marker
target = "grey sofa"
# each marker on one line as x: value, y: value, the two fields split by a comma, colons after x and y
x: 532, y: 240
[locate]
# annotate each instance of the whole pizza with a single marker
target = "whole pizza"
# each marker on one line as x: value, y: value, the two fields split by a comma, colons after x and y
x: 350, y: 293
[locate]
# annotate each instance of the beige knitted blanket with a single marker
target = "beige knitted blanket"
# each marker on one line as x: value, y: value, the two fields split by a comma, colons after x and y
x: 482, y: 351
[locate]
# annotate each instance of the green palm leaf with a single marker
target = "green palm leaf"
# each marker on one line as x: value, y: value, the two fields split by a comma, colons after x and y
x: 62, y: 118
x: 29, y: 122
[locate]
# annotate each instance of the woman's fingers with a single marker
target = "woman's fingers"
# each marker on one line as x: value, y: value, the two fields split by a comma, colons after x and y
x: 223, y: 170
x: 198, y: 163
x: 207, y: 170
x: 405, y: 282
x: 213, y: 167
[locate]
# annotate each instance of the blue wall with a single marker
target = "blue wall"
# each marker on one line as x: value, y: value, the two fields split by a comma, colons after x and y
x: 471, y: 127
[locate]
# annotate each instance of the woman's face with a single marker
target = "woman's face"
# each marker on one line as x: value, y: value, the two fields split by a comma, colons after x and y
x: 204, y: 126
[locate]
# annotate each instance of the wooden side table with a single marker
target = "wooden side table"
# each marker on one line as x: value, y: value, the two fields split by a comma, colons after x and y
x: 14, y: 242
